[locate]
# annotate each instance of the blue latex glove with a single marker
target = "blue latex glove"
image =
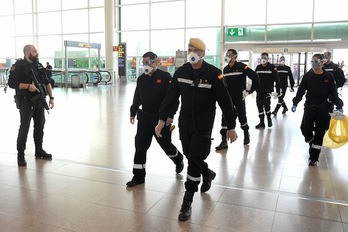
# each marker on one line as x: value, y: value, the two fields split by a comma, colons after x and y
x: 293, y: 108
x: 340, y: 110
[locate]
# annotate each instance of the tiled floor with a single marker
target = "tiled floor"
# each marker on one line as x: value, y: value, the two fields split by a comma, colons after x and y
x: 265, y: 186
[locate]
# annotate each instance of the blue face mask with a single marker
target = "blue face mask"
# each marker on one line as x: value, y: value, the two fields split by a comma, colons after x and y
x: 315, y: 64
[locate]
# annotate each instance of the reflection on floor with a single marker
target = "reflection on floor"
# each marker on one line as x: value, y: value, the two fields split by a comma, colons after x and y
x: 264, y: 186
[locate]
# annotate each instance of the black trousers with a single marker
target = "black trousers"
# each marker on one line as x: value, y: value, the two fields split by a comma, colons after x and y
x: 281, y: 98
x: 239, y: 103
x: 145, y: 132
x: 196, y: 149
x: 315, y: 122
x: 263, y: 102
x: 28, y: 110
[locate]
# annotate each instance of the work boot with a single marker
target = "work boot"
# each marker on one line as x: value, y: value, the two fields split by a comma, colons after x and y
x: 223, y: 145
x: 207, y: 181
x: 276, y: 110
x: 269, y: 121
x: 285, y: 108
x: 21, y: 160
x: 260, y: 125
x: 134, y: 181
x: 179, y: 167
x: 246, y: 137
x: 185, y: 211
x: 42, y: 154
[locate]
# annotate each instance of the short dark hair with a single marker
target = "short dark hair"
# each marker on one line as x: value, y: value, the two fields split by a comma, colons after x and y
x: 319, y: 56
x: 264, y: 54
x: 151, y: 55
x: 234, y: 52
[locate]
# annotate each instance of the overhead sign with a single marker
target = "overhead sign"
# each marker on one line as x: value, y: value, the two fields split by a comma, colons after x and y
x: 235, y: 31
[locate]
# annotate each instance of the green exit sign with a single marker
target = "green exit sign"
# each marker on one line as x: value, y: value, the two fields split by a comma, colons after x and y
x: 235, y: 31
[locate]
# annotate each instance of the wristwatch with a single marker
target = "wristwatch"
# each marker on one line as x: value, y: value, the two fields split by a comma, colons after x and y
x: 51, y: 98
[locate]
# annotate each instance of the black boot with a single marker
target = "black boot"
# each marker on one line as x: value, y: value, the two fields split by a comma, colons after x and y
x: 21, y: 160
x: 223, y: 145
x: 269, y: 120
x: 42, y: 154
x: 262, y: 122
x: 207, y: 181
x: 285, y: 108
x: 276, y: 109
x: 185, y: 211
x: 246, y: 137
x: 180, y: 166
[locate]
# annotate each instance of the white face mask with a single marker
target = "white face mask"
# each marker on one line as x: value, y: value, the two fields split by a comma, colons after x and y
x: 193, y: 58
x: 263, y: 61
x: 282, y: 62
x: 147, y: 69
x: 227, y: 59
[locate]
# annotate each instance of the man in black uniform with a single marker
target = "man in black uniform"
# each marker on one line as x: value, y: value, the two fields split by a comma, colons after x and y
x: 318, y: 85
x: 49, y: 73
x: 284, y: 72
x: 200, y: 85
x: 268, y: 76
x: 28, y: 101
x: 151, y: 88
x: 334, y: 69
x: 337, y: 72
x: 235, y: 74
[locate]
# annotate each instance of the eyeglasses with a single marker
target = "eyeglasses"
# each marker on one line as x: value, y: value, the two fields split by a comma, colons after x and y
x: 315, y: 61
x: 148, y: 62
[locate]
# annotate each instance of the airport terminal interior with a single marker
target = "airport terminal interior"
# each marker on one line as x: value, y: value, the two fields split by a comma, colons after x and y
x: 95, y: 48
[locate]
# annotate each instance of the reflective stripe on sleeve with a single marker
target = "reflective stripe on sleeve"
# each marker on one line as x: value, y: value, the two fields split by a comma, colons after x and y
x: 233, y: 74
x: 316, y: 147
x: 263, y: 71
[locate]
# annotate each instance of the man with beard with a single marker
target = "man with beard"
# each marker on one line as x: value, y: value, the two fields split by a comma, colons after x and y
x: 28, y: 101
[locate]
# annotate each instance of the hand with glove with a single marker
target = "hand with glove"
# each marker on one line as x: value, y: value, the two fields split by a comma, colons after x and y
x: 340, y: 110
x: 292, y: 89
x: 293, y: 108
x: 245, y: 93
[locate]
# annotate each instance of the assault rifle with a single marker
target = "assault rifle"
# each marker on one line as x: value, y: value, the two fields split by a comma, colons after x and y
x: 42, y: 92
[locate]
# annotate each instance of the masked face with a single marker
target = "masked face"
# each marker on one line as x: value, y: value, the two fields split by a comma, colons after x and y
x: 148, y: 69
x: 193, y: 58
x: 315, y: 64
x: 263, y: 61
x: 34, y: 59
x: 227, y: 59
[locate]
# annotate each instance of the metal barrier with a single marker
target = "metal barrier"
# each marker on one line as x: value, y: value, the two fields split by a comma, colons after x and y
x: 106, y: 76
x: 96, y: 78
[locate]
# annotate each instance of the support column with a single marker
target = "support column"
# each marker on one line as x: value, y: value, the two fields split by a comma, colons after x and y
x: 109, y: 35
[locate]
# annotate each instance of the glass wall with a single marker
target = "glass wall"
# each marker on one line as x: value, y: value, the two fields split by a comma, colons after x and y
x: 46, y: 24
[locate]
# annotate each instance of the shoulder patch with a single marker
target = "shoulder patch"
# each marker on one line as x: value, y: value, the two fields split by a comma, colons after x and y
x: 13, y: 67
x: 220, y: 76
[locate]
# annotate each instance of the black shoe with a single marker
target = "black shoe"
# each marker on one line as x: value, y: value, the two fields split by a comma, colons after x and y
x: 186, y: 209
x: 260, y: 125
x: 134, y: 182
x: 246, y: 137
x: 207, y: 181
x: 179, y: 167
x: 284, y: 111
x: 223, y: 145
x: 21, y: 161
x: 269, y: 122
x: 41, y: 154
x: 274, y: 113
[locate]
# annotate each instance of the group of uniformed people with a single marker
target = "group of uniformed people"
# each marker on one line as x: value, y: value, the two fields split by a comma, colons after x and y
x: 199, y: 86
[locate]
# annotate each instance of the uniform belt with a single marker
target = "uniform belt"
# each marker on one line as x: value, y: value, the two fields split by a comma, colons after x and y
x: 148, y: 113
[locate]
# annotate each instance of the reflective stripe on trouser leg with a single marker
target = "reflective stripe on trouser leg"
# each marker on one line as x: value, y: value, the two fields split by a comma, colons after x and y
x: 139, y: 171
x: 314, y: 152
x: 175, y: 155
